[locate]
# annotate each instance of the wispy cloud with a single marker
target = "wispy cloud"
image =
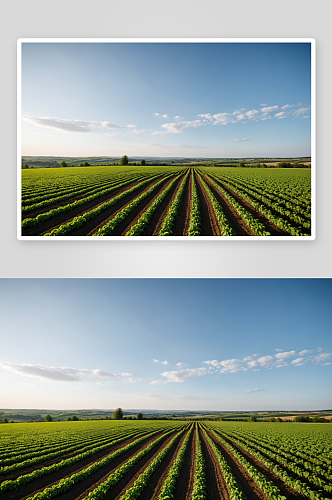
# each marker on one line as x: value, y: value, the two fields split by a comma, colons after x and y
x: 180, y: 375
x: 255, y: 390
x: 160, y: 362
x: 77, y: 126
x: 242, y: 140
x: 178, y: 127
x: 61, y: 374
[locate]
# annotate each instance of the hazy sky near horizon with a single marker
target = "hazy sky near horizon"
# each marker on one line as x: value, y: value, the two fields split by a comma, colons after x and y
x: 166, y: 99
x: 216, y: 344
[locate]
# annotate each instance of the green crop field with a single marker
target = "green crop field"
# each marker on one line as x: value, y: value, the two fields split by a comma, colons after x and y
x: 166, y: 201
x: 160, y: 460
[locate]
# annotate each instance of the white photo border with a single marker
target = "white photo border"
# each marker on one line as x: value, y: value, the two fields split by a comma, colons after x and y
x: 312, y: 42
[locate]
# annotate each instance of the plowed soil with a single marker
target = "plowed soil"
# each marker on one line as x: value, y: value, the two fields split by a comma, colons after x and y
x: 215, y: 483
x: 209, y: 223
x: 97, y: 477
x: 286, y: 490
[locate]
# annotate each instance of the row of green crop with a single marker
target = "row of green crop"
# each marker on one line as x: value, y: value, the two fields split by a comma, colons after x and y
x: 273, y: 197
x: 174, y: 473
x: 274, y: 192
x: 104, y: 189
x: 292, y: 184
x: 101, y: 491
x: 285, y: 453
x: 268, y: 487
x: 145, y: 218
x: 288, y: 464
x: 278, y: 221
x: 235, y: 492
x: 45, y: 453
x: 168, y: 224
x: 44, y: 471
x: 195, y: 214
x: 225, y: 227
x: 254, y: 224
x: 296, y: 484
x: 65, y: 484
x: 108, y: 228
x: 30, y: 222
x: 134, y: 492
x: 77, y: 222
x: 253, y: 196
x: 199, y: 486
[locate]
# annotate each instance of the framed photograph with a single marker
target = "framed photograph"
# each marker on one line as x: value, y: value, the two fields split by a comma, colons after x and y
x: 143, y: 138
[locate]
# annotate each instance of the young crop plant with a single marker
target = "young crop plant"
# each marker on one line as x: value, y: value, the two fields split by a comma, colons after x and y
x: 102, y: 490
x: 168, y: 224
x: 234, y: 489
x: 174, y: 473
x: 134, y: 492
x: 108, y: 229
x: 199, y: 487
x: 36, y: 474
x: 195, y: 215
x: 140, y: 225
x: 252, y: 222
x: 225, y: 227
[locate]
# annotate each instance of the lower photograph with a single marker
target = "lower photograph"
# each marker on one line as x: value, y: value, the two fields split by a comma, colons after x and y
x: 157, y: 389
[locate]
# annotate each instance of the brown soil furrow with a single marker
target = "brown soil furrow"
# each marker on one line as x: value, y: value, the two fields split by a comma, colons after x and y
x: 68, y: 216
x: 275, y: 212
x: 215, y: 483
x: 184, y: 484
x: 279, y: 200
x: 289, y: 472
x: 42, y: 210
x: 285, y: 490
x: 96, y: 456
x: 209, y: 222
x: 138, y: 211
x: 127, y: 482
x: 49, y: 480
x: 153, y: 489
x: 182, y: 219
x: 235, y: 220
x: 272, y: 228
x: 157, y: 220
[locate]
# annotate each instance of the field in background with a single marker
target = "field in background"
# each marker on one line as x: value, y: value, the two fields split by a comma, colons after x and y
x: 166, y: 459
x: 166, y: 201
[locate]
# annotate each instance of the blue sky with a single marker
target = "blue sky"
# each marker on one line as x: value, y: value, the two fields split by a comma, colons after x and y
x: 166, y: 99
x: 204, y: 344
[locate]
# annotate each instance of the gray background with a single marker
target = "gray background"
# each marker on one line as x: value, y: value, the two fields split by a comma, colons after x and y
x: 165, y: 18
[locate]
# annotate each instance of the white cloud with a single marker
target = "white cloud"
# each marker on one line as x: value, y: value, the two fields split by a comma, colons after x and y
x: 61, y: 374
x: 156, y: 360
x: 280, y: 350
x: 255, y: 390
x: 282, y: 355
x: 165, y: 116
x: 72, y: 125
x: 300, y: 111
x: 232, y: 366
x: 263, y: 104
x: 242, y: 140
x: 280, y: 115
x: 286, y: 106
x: 321, y: 357
x: 177, y: 128
x: 306, y: 351
x: 164, y: 362
x: 156, y: 114
x: 252, y: 114
x: 298, y: 361
x: 180, y: 375
x: 214, y: 363
x: 265, y: 361
x: 268, y: 109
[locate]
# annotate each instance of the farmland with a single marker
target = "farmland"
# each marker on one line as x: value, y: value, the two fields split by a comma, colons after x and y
x: 160, y: 460
x: 165, y: 201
